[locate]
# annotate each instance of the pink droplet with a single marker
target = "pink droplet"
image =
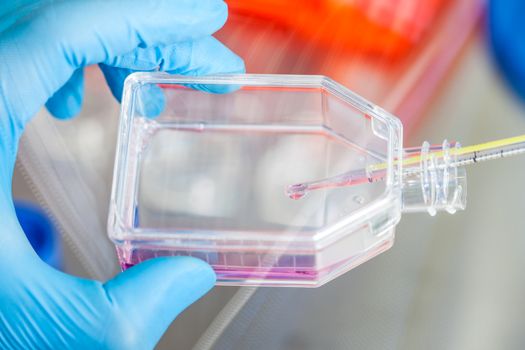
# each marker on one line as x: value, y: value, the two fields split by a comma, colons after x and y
x: 296, y: 191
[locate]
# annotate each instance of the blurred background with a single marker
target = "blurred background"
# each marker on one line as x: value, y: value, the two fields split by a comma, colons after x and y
x: 447, y: 69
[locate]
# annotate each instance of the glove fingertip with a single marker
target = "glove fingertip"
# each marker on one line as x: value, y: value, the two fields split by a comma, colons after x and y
x: 190, y: 273
x: 64, y: 107
x: 67, y: 101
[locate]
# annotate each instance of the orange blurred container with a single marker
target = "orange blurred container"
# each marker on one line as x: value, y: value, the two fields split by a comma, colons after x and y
x: 393, y: 52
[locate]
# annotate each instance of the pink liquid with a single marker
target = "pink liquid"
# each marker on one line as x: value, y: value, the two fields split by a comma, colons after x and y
x: 286, y: 267
x: 352, y: 178
x: 297, y: 191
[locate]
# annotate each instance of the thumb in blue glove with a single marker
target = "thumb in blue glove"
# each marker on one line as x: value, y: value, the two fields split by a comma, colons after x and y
x: 43, y: 47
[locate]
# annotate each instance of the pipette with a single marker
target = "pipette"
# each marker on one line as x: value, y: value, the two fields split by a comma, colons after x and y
x: 458, y: 156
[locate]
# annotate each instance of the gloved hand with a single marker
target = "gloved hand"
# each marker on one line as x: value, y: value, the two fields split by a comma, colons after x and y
x: 43, y: 47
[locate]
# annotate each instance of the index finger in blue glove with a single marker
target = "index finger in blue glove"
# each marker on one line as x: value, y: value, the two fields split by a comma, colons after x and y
x: 199, y: 57
x: 203, y: 56
x: 67, y: 101
x: 60, y: 37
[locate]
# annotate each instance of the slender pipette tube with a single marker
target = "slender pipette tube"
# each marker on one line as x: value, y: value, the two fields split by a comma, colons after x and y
x: 458, y: 156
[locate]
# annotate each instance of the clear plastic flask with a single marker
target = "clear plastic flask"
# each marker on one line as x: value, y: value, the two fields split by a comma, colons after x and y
x: 203, y: 164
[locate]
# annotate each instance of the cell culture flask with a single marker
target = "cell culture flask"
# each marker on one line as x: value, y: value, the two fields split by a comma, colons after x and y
x: 203, y: 164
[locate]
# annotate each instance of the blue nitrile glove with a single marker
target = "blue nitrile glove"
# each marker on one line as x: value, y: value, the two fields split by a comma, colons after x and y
x: 43, y: 46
